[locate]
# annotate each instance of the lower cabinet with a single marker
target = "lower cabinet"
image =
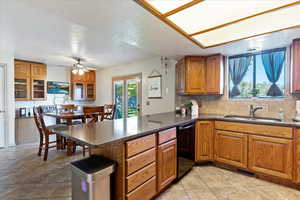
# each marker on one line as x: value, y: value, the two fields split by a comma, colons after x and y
x: 204, y: 141
x: 271, y: 156
x: 231, y: 148
x: 166, y: 164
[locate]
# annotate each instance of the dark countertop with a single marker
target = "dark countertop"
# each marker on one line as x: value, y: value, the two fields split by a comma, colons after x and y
x: 105, y: 132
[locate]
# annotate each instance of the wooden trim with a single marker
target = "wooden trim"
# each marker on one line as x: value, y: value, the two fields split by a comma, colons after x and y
x: 244, y: 18
x: 163, y: 18
x: 183, y: 7
x: 156, y: 13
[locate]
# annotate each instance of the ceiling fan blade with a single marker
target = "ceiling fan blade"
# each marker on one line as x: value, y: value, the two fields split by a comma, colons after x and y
x: 91, y: 68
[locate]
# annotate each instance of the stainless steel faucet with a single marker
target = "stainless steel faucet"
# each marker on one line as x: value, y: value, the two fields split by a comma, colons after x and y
x: 253, y: 110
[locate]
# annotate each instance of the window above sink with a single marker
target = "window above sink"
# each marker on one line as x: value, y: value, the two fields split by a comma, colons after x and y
x: 260, y: 74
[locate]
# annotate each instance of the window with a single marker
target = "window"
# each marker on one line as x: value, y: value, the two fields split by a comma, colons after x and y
x: 257, y: 74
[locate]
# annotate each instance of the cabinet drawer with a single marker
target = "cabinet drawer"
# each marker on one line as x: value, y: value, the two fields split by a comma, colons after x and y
x: 139, y: 161
x: 271, y: 156
x: 144, y: 192
x: 258, y: 129
x: 140, y: 177
x: 167, y: 135
x: 139, y: 145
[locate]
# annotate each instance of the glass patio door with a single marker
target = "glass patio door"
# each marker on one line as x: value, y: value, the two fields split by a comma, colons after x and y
x: 126, y: 96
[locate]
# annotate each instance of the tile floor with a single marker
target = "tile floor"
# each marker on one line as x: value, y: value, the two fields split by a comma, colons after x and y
x: 24, y: 176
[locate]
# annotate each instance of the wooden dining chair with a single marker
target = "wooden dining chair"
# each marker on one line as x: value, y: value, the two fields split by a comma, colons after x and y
x: 45, y: 133
x: 93, y: 114
x: 109, y: 111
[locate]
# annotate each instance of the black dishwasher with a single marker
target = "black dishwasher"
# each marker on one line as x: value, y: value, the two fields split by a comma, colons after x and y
x: 185, y: 148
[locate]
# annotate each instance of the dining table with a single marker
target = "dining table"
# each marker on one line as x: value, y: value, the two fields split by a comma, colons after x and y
x: 67, y: 116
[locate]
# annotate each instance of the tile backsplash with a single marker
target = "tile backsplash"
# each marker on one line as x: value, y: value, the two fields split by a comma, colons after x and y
x: 223, y: 105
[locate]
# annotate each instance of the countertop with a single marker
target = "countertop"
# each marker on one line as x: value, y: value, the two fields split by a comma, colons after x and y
x: 105, y: 132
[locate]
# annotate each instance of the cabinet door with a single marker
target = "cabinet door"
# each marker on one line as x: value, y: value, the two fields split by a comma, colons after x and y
x: 90, y: 91
x: 180, y: 77
x: 271, y: 156
x: 90, y: 76
x: 38, y: 71
x: 296, y: 66
x: 214, y: 72
x: 195, y: 75
x: 22, y: 89
x: 167, y: 164
x: 22, y: 69
x: 204, y: 140
x: 231, y: 148
x: 38, y: 89
x: 297, y: 156
x: 78, y: 91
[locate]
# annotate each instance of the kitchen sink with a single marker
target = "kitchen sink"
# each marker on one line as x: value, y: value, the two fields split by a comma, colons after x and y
x: 265, y: 119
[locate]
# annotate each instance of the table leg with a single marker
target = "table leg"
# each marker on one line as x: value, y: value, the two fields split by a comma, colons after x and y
x: 69, y: 122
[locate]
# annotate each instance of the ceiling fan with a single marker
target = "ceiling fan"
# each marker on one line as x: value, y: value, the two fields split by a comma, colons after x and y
x: 79, y: 68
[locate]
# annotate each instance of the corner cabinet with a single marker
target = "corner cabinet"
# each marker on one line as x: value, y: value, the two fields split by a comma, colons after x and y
x: 30, y: 81
x: 204, y: 141
x: 295, y: 66
x: 84, y: 86
x: 200, y: 75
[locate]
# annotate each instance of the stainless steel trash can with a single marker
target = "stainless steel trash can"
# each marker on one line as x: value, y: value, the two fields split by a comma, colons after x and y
x: 91, y: 178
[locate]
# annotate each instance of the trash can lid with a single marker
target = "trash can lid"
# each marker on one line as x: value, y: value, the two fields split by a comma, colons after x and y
x: 93, y: 164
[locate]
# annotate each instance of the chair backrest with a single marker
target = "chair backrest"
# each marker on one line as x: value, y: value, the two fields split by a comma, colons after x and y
x: 39, y: 120
x: 68, y: 107
x: 109, y: 111
x: 93, y: 112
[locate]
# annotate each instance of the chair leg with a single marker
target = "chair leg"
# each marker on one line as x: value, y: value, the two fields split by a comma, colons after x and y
x: 46, y: 147
x: 41, y: 145
x: 58, y: 142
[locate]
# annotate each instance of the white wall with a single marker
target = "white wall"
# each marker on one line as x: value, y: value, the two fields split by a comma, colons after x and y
x: 166, y: 104
x: 7, y: 57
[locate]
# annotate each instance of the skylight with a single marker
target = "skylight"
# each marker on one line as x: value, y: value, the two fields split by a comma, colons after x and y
x: 214, y: 22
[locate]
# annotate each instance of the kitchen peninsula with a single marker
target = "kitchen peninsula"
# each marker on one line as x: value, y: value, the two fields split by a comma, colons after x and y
x: 137, y: 144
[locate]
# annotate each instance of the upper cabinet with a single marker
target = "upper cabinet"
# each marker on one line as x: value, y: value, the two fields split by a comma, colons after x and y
x: 295, y: 75
x: 30, y: 81
x: 200, y: 75
x: 84, y: 86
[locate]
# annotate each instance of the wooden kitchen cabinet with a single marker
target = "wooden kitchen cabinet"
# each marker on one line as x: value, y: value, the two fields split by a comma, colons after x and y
x: 166, y: 164
x: 271, y: 156
x: 84, y: 86
x: 30, y: 81
x: 195, y: 75
x: 199, y: 75
x: 214, y: 74
x: 295, y: 67
x: 297, y: 156
x: 231, y: 148
x: 204, y: 139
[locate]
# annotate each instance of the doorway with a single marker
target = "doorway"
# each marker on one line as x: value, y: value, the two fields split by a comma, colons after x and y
x: 2, y: 104
x: 127, y: 95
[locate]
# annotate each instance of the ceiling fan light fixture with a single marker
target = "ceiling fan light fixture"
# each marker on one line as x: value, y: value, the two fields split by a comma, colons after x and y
x: 75, y: 71
x: 80, y: 72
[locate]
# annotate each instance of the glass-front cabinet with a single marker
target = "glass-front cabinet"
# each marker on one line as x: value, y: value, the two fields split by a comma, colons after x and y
x: 38, y: 89
x: 22, y: 87
x: 90, y: 91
